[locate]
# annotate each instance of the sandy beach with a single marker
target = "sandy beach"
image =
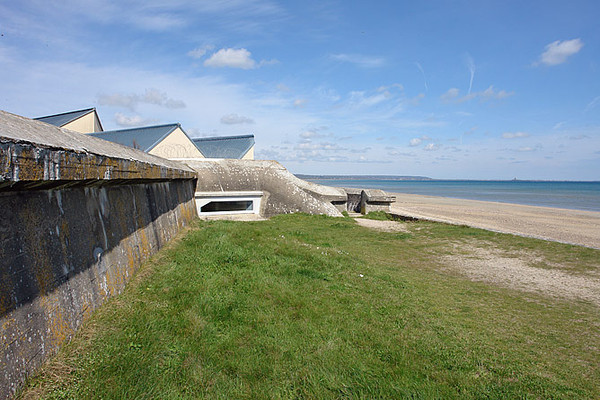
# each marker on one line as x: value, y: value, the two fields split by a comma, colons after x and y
x: 556, y: 224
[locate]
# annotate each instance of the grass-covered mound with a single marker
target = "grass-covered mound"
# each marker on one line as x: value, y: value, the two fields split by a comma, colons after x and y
x: 315, y: 307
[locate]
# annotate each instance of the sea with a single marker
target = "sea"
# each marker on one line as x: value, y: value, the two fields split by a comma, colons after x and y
x: 569, y: 195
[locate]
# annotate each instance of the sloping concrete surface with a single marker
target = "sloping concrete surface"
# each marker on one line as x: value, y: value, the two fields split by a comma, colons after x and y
x: 284, y: 192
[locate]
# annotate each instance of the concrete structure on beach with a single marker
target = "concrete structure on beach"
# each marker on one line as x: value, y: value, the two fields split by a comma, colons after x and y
x: 81, y: 214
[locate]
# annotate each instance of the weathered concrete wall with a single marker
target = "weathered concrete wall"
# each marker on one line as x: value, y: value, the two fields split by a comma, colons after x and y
x: 284, y: 193
x: 365, y: 201
x: 79, y: 215
x: 354, y: 203
x: 376, y: 200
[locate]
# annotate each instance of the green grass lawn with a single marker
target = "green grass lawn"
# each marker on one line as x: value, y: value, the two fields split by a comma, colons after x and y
x: 316, y: 307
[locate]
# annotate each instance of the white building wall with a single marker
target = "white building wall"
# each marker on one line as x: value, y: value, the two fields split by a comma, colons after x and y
x: 176, y: 145
x: 89, y: 123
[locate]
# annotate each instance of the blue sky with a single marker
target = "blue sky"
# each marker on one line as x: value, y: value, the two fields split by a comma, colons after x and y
x: 446, y: 89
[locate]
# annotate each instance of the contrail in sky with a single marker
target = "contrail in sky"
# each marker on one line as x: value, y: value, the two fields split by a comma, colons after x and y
x: 592, y: 104
x: 422, y: 72
x: 471, y: 66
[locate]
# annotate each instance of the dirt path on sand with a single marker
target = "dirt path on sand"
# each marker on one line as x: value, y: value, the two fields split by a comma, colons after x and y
x: 482, y: 262
x: 385, y: 226
x: 524, y: 271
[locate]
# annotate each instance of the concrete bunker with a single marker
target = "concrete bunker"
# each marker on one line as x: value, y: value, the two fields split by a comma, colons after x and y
x: 271, y: 188
x: 220, y: 203
x: 83, y: 214
x: 266, y: 188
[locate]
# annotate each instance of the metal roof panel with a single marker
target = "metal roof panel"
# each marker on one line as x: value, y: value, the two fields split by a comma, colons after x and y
x: 143, y: 138
x: 64, y: 118
x: 234, y: 147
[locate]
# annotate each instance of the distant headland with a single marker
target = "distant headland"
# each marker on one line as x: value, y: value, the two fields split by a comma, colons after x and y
x: 369, y: 177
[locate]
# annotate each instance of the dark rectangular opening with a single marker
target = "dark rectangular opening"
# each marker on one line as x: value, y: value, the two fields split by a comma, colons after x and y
x: 215, y: 206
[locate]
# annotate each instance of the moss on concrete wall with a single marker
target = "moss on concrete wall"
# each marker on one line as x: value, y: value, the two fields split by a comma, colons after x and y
x: 75, y: 226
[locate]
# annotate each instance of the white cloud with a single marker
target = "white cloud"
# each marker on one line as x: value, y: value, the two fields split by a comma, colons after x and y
x: 131, y: 101
x: 415, y: 101
x: 172, y: 103
x: 450, y: 95
x: 526, y: 149
x: 489, y: 94
x: 118, y: 100
x: 471, y: 131
x: 384, y: 88
x: 395, y: 153
x: 464, y: 114
x: 330, y: 95
x: 557, y: 52
x: 304, y: 146
x: 234, y: 119
x: 158, y: 22
x: 453, y: 95
x: 358, y: 98
x: 300, y: 103
x: 515, y: 135
x: 310, y: 134
x: 245, y: 16
x: 268, y: 62
x: 417, y: 141
x: 132, y: 121
x: 431, y: 147
x: 579, y: 137
x: 153, y: 96
x: 360, y: 60
x: 199, y: 52
x: 232, y: 58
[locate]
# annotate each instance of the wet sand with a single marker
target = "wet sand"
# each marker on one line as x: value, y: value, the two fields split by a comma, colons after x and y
x: 556, y: 224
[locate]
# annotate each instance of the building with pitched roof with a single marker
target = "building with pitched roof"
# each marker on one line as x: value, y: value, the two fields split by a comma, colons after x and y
x: 168, y: 141
x: 231, y: 147
x: 82, y: 121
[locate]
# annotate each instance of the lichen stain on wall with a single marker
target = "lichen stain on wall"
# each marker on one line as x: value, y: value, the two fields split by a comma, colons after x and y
x: 78, y: 220
x: 67, y: 250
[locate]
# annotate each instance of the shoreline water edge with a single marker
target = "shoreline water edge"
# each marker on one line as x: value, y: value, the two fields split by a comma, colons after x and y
x: 583, y: 196
x: 548, y: 222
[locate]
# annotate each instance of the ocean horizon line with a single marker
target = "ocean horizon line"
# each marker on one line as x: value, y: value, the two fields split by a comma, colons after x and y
x: 576, y: 195
x: 426, y: 178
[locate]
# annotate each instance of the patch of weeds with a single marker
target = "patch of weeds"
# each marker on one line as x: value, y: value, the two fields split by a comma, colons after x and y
x: 379, y: 216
